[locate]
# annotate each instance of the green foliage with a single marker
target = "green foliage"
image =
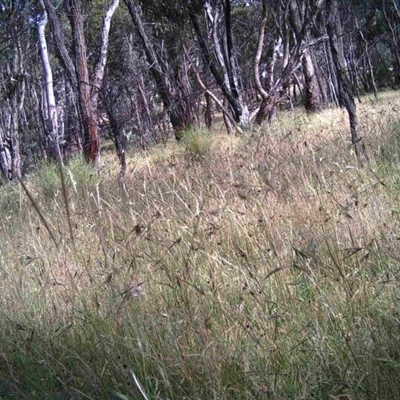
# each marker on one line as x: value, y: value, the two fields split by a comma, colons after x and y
x: 197, y: 141
x: 47, y: 180
x: 10, y: 199
x: 383, y: 73
x: 389, y: 154
x: 81, y: 175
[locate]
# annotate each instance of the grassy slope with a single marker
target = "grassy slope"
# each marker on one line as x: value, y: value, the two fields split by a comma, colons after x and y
x: 268, y: 267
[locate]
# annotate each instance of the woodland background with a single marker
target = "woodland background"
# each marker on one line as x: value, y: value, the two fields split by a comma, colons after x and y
x: 134, y: 71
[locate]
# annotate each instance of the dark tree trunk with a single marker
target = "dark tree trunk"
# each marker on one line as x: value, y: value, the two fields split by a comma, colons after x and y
x: 346, y: 98
x: 5, y: 155
x: 313, y: 95
x: 322, y: 83
x: 119, y: 140
x: 91, y: 143
x: 61, y: 48
x: 234, y: 103
x: 178, y: 106
x: 367, y: 59
x: 15, y: 143
x: 85, y: 91
x: 332, y: 76
x: 392, y: 17
x: 15, y: 107
x: 208, y: 111
x: 267, y: 111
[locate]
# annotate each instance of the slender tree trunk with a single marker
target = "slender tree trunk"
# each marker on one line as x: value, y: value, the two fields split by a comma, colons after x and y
x: 371, y: 71
x: 101, y: 63
x: 15, y: 139
x: 257, y: 58
x: 61, y: 47
x: 395, y: 45
x: 77, y: 70
x: 51, y: 108
x: 313, y: 95
x: 346, y: 97
x: 208, y: 111
x: 5, y: 155
x: 353, y: 73
x: 180, y: 114
x: 16, y: 105
x: 322, y: 83
x: 231, y: 64
x: 72, y: 106
x: 5, y: 140
x: 367, y: 57
x: 332, y: 77
x: 222, y: 79
x: 267, y: 109
x: 119, y: 141
x: 91, y: 143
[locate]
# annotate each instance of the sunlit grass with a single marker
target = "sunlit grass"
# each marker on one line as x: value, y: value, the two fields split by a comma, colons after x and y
x: 265, y: 268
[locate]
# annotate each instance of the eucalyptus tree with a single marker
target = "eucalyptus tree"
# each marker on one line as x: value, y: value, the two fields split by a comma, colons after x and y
x: 75, y: 62
x: 370, y: 42
x: 298, y: 15
x: 129, y: 95
x: 359, y: 15
x: 215, y: 38
x: 346, y: 97
x: 15, y: 48
x: 162, y: 29
x: 51, y: 112
x: 390, y: 10
x: 290, y: 50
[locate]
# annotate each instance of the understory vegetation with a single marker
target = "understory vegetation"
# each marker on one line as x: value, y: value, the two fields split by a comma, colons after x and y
x: 257, y: 266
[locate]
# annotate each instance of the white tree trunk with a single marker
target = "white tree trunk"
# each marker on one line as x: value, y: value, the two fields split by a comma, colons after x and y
x: 101, y: 64
x: 51, y: 112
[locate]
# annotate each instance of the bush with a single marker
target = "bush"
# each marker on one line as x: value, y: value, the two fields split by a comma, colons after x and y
x: 81, y: 176
x: 197, y: 141
x: 388, y: 155
x: 10, y: 199
x: 48, y: 180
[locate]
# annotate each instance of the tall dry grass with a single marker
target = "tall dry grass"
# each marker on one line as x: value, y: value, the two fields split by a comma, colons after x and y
x: 262, y: 266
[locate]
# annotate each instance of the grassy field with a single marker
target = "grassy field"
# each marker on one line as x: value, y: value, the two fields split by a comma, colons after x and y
x: 265, y: 266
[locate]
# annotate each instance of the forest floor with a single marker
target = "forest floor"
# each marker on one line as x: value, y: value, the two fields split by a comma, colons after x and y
x: 258, y: 266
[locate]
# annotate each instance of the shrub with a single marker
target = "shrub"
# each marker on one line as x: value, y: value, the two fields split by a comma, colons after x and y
x: 197, y: 141
x: 10, y: 199
x: 48, y: 180
x: 81, y: 176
